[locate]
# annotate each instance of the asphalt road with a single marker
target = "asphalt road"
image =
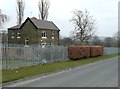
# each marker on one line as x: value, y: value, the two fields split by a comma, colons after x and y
x: 99, y: 74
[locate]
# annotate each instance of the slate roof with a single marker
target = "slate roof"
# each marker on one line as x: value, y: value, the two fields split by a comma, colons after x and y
x: 40, y: 24
x: 15, y: 27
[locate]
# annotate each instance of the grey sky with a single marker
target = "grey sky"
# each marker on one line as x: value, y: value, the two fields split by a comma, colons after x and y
x: 105, y: 12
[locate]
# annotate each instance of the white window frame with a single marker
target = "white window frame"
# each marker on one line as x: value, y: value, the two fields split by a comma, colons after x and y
x: 44, y: 34
x: 26, y: 41
x: 53, y: 35
x: 13, y: 35
x: 18, y: 35
x: 43, y: 45
x: 52, y: 44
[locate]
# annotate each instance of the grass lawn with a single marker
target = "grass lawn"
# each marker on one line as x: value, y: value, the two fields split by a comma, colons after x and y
x: 15, y: 74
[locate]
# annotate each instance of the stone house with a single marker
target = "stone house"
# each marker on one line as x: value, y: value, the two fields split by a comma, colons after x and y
x: 34, y: 31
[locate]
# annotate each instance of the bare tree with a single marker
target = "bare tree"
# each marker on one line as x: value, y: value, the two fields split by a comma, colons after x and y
x: 43, y: 6
x: 20, y: 11
x: 108, y: 42
x: 4, y: 36
x: 67, y: 41
x: 96, y: 40
x: 3, y: 18
x: 84, y: 26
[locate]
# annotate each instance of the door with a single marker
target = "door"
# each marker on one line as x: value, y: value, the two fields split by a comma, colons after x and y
x: 26, y: 41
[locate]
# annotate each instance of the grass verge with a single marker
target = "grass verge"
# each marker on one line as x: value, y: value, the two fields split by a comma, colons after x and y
x: 16, y: 74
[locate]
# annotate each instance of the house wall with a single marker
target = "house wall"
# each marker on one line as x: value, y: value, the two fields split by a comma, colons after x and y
x: 34, y: 36
x: 10, y: 39
x: 28, y: 31
x: 49, y: 39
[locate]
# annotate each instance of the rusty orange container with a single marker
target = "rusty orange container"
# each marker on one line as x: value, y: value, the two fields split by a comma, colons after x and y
x: 78, y: 52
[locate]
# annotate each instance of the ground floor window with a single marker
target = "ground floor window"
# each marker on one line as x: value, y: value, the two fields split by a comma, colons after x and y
x: 43, y: 45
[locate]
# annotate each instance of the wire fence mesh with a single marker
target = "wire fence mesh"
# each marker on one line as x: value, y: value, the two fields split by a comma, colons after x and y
x: 111, y: 50
x: 15, y: 56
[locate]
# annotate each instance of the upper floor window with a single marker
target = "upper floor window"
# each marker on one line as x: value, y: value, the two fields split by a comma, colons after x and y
x: 18, y: 35
x: 12, y: 35
x: 53, y: 35
x: 44, y: 34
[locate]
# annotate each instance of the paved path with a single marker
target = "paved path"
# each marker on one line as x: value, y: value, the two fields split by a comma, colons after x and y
x: 99, y: 74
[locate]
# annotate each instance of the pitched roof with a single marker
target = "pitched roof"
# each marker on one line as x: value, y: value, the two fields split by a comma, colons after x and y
x: 41, y: 24
x: 15, y: 27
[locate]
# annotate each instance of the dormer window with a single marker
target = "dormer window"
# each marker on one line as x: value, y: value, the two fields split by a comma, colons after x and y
x: 18, y: 35
x: 12, y: 35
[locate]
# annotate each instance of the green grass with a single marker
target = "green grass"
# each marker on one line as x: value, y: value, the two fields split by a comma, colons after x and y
x: 16, y: 74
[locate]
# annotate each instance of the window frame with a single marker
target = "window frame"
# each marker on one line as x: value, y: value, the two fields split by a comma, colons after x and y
x: 44, y: 34
x: 13, y: 36
x: 18, y: 35
x: 53, y: 35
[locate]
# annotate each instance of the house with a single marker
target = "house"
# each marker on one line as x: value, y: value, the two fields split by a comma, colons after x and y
x: 34, y: 31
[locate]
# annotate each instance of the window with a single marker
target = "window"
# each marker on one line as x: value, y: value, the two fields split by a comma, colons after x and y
x: 12, y: 35
x: 52, y: 35
x: 51, y: 44
x: 43, y: 45
x: 18, y: 35
x: 44, y: 34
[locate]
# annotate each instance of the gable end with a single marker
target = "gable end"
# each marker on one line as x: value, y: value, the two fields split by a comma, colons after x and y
x: 26, y: 21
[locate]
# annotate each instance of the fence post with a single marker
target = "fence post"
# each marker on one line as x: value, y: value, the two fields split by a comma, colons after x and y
x: 33, y: 55
x: 5, y: 58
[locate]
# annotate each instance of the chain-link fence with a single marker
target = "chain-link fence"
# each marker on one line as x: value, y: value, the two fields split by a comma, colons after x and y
x: 14, y: 56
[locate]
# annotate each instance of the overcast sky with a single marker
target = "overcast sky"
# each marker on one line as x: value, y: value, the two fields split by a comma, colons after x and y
x: 105, y: 12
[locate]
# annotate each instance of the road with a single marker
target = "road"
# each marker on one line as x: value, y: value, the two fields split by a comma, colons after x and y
x: 99, y: 74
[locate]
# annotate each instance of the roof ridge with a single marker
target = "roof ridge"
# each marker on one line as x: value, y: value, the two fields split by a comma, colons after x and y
x: 38, y: 23
x: 39, y: 19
